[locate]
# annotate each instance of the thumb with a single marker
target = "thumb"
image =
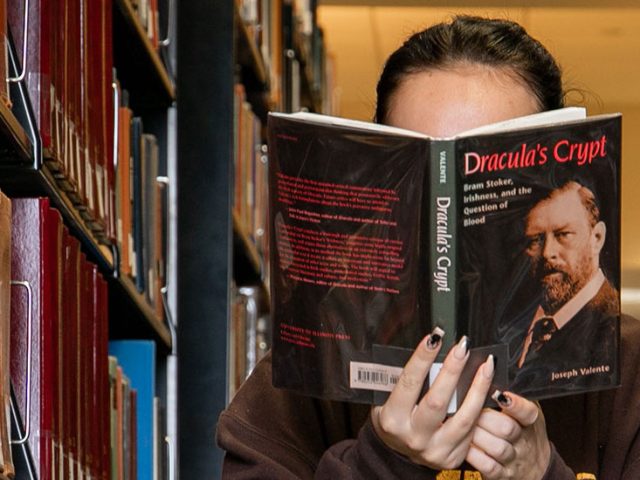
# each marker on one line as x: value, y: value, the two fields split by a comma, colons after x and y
x: 524, y: 411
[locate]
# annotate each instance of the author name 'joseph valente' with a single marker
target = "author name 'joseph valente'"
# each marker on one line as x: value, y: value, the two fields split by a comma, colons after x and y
x: 580, y: 372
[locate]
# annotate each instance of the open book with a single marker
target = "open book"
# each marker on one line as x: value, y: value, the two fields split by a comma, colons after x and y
x: 509, y: 234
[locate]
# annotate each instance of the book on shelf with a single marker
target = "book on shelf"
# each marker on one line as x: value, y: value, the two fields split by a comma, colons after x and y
x: 137, y: 263
x: 138, y: 360
x: 379, y: 235
x: 159, y: 434
x: 124, y: 404
x: 152, y: 223
x: 7, y: 468
x: 124, y: 234
x: 249, y: 332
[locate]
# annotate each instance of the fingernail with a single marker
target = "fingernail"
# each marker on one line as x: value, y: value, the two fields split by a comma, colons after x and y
x: 435, y: 338
x: 489, y: 367
x: 461, y: 348
x: 501, y: 399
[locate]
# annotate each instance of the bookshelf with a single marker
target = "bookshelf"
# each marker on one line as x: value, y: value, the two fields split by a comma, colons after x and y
x: 217, y: 252
x: 27, y: 169
x: 23, y: 174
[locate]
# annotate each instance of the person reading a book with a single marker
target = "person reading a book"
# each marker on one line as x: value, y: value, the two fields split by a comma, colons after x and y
x: 448, y: 78
x: 578, y: 306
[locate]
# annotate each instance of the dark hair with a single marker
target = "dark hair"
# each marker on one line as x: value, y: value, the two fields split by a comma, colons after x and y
x: 587, y: 198
x: 492, y: 42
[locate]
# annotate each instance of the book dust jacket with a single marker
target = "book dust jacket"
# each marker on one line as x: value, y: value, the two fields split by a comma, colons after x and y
x: 509, y: 237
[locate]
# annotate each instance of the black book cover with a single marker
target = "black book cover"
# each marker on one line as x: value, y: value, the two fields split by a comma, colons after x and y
x: 137, y: 174
x: 379, y: 235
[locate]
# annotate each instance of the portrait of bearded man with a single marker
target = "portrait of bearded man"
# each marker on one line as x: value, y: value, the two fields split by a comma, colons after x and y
x: 570, y: 336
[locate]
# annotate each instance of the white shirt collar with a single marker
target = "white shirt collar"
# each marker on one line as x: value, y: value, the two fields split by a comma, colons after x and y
x: 567, y: 311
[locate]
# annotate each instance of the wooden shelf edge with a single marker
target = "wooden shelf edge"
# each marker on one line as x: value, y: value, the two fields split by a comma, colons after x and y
x: 156, y: 324
x: 130, y: 16
x: 28, y: 181
x: 12, y: 129
x: 249, y: 55
x: 100, y: 252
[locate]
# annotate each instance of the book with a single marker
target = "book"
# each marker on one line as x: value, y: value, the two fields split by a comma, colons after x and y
x: 7, y: 468
x: 378, y: 235
x: 138, y: 360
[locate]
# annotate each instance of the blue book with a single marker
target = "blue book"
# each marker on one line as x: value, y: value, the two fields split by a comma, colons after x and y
x: 138, y: 361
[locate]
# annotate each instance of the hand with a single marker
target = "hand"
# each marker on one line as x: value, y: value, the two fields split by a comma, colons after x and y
x: 417, y: 429
x: 513, y: 443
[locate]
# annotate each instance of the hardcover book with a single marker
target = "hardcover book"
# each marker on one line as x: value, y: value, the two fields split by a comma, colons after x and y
x: 509, y: 234
x: 7, y: 469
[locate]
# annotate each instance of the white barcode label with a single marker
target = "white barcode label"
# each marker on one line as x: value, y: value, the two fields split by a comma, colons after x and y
x: 373, y: 376
x: 433, y: 373
x: 383, y: 378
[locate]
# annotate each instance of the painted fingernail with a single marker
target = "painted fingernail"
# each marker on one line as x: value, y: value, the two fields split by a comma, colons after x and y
x: 501, y: 398
x: 489, y: 367
x: 461, y: 348
x: 435, y: 338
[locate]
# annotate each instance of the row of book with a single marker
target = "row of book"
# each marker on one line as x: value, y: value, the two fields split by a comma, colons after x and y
x: 250, y: 333
x: 137, y: 416
x: 76, y: 412
x: 250, y: 166
x: 92, y: 141
x: 69, y: 76
x: 141, y: 207
x: 148, y: 15
x: 58, y: 344
x: 263, y: 20
x: 292, y: 47
x: 306, y: 76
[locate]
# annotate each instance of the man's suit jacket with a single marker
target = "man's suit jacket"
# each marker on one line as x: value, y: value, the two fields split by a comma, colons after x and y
x: 581, y: 355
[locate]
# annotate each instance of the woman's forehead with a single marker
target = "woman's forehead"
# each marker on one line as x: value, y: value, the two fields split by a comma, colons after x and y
x: 445, y: 102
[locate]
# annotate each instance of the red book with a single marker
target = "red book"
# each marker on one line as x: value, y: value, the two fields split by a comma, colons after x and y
x: 70, y: 350
x: 84, y: 368
x: 108, y: 116
x: 36, y: 239
x: 103, y: 378
x: 92, y: 101
x: 39, y: 58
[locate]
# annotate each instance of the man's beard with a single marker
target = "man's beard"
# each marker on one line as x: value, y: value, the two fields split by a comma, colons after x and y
x: 561, y: 284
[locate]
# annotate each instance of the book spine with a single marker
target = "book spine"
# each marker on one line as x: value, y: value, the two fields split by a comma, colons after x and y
x: 442, y: 240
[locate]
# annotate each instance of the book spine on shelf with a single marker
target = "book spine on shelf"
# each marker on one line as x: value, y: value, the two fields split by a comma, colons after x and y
x: 6, y: 461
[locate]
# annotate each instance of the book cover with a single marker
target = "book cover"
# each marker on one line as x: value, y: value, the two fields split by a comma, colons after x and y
x: 379, y: 234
